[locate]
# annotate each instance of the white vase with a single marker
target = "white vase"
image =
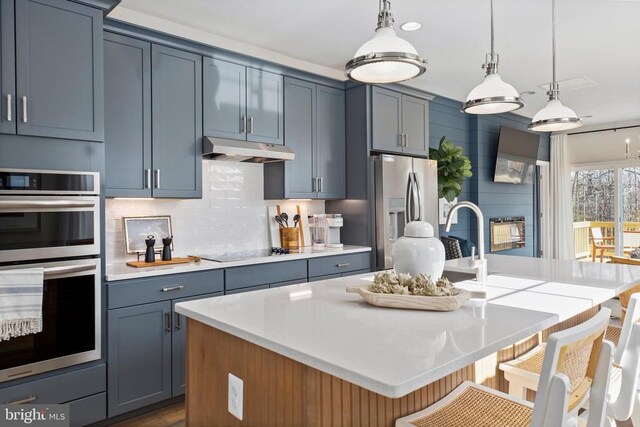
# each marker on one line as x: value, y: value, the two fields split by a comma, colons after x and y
x: 418, y: 251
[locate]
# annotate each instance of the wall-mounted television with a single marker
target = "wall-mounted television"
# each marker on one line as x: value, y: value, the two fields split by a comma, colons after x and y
x: 517, y: 156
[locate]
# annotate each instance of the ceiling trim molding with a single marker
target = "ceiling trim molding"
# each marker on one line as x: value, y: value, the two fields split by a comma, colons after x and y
x: 123, y: 14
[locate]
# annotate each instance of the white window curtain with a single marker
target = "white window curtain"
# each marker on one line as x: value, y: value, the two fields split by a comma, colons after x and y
x: 560, y: 219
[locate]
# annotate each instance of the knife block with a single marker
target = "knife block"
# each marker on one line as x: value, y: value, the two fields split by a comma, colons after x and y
x: 290, y: 237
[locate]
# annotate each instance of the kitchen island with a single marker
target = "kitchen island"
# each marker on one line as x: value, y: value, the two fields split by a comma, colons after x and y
x: 311, y: 354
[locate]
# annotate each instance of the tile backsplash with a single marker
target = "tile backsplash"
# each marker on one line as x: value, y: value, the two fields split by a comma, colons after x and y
x: 230, y: 217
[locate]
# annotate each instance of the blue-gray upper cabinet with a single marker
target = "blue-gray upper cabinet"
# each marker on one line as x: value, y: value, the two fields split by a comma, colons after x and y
x: 264, y: 107
x: 415, y: 125
x: 139, y: 355
x: 7, y: 68
x: 127, y: 83
x: 225, y: 97
x: 330, y: 143
x: 59, y: 70
x: 176, y: 78
x: 400, y: 123
x: 314, y: 122
x: 300, y: 131
x: 242, y: 102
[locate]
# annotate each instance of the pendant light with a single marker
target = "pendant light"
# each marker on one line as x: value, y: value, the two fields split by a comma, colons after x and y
x: 554, y: 116
x: 386, y: 58
x: 492, y: 96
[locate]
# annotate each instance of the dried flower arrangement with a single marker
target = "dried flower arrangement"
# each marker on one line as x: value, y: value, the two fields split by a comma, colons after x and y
x: 390, y: 282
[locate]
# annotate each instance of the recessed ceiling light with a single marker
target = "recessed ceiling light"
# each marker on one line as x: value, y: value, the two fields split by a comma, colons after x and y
x: 411, y: 26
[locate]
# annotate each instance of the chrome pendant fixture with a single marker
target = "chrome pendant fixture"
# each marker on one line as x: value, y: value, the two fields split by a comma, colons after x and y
x: 386, y: 58
x: 492, y: 96
x: 554, y: 116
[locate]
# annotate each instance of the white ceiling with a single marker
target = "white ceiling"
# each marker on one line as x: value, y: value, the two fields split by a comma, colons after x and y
x: 597, y: 39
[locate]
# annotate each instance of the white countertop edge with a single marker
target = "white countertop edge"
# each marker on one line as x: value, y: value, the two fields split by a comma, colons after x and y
x: 388, y: 390
x: 139, y: 273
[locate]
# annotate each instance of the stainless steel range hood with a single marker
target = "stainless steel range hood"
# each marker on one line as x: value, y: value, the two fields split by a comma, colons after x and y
x: 243, y: 151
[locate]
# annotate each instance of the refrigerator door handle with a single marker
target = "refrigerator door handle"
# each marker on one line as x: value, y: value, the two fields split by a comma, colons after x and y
x: 417, y: 202
x: 407, y: 200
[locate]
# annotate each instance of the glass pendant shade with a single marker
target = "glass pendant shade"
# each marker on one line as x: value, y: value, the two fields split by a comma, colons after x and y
x: 555, y: 117
x: 386, y: 58
x: 492, y: 96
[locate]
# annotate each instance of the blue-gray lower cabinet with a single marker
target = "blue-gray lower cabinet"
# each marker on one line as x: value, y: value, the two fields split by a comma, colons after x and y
x: 179, y: 345
x: 339, y: 264
x: 251, y: 276
x: 139, y: 356
x: 88, y: 410
x: 59, y: 70
x: 127, y: 111
x: 176, y: 80
x: 7, y: 68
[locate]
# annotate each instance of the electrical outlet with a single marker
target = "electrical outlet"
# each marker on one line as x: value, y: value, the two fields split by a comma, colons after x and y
x: 235, y: 396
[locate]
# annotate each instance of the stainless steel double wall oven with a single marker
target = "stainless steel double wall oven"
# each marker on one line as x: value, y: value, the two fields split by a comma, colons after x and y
x: 51, y: 219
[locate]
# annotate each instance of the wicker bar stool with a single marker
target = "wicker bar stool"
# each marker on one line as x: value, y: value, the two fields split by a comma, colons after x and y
x: 576, y: 367
x: 524, y: 372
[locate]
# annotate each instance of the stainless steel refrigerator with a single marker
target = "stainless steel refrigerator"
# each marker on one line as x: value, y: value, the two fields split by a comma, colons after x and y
x: 406, y: 189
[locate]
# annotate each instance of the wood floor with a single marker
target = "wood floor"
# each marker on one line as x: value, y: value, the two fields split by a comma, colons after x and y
x: 171, y: 416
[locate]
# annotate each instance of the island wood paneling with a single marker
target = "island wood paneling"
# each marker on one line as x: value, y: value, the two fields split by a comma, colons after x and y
x: 279, y: 391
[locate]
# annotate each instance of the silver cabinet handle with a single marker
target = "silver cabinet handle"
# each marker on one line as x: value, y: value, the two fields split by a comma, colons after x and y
x: 250, y: 124
x: 167, y: 321
x: 314, y: 184
x: 178, y: 322
x: 406, y: 139
x: 320, y: 185
x: 173, y: 288
x: 401, y: 140
x: 157, y: 178
x: 23, y: 401
x: 244, y: 124
x: 343, y: 264
x: 147, y: 178
x: 24, y: 109
x: 56, y: 271
x: 9, y: 118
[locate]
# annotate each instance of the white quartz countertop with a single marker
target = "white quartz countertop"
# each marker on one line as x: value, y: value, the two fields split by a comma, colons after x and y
x: 613, y: 277
x: 121, y: 271
x: 394, y: 352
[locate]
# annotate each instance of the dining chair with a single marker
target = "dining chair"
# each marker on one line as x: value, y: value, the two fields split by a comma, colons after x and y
x: 626, y: 295
x: 599, y: 243
x: 576, y: 368
x: 524, y: 372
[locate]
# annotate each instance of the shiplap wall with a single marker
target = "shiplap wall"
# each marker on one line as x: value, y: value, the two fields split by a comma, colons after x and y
x: 478, y: 137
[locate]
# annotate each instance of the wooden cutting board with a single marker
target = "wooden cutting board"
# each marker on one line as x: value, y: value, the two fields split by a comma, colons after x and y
x: 412, y: 302
x: 142, y: 264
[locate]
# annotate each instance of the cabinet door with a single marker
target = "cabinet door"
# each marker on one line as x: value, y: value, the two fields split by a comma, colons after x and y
x: 179, y: 345
x: 127, y: 115
x: 264, y: 107
x: 7, y: 69
x: 386, y: 123
x: 224, y: 86
x: 300, y: 130
x: 415, y: 125
x: 330, y: 143
x: 176, y: 122
x: 59, y: 70
x: 139, y: 371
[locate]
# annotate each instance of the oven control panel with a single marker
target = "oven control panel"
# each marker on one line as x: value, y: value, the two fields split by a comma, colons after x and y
x: 15, y: 181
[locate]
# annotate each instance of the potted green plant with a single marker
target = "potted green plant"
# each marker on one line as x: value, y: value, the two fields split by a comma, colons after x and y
x: 453, y: 168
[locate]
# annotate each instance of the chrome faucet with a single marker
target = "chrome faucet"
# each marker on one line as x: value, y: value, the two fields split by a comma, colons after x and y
x: 479, y: 265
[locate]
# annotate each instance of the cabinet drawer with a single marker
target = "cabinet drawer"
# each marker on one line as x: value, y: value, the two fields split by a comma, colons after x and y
x: 338, y: 264
x: 140, y: 291
x: 242, y: 290
x: 88, y: 410
x: 264, y: 274
x: 59, y: 388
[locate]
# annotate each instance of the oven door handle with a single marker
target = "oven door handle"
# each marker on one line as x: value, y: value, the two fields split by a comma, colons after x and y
x: 67, y: 269
x: 35, y: 204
